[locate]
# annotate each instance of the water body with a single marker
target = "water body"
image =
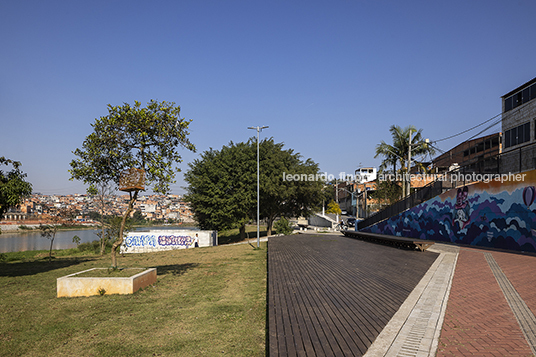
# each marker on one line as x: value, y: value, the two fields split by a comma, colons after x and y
x: 19, y: 242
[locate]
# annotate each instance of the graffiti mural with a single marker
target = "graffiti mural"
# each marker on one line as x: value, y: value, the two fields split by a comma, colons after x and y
x: 492, y: 214
x: 175, y: 240
x: 157, y: 240
x: 144, y: 240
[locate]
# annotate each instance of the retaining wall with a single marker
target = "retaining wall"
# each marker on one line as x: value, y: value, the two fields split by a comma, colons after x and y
x: 493, y: 214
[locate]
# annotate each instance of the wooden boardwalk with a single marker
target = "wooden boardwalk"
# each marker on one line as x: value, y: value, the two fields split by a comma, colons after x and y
x: 330, y: 295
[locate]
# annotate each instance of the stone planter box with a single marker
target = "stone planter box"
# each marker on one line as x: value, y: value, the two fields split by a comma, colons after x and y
x: 72, y: 285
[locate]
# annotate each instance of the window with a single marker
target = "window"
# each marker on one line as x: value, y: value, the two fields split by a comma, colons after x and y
x: 517, y: 135
x: 519, y: 98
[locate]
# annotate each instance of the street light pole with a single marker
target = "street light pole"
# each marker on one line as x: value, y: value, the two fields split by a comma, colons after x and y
x: 259, y: 129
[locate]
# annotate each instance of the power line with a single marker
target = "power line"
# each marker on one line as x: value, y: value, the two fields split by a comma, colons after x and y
x: 465, y: 131
x: 511, y: 112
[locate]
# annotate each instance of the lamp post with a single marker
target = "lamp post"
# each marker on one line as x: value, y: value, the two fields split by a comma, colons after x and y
x: 259, y: 129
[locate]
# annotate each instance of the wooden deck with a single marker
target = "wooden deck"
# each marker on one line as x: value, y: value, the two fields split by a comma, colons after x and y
x: 332, y: 295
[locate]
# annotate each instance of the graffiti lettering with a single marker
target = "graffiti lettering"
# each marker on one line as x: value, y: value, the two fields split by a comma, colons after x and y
x: 141, y: 241
x: 175, y: 240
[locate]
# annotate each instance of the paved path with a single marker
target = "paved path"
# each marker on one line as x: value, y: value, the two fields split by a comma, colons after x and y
x: 479, y: 320
x: 332, y: 295
x: 338, y: 296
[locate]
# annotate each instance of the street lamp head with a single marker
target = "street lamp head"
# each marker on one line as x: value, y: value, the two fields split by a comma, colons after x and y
x: 258, y: 128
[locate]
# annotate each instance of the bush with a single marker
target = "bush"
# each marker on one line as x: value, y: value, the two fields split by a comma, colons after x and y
x: 283, y: 226
x: 93, y: 247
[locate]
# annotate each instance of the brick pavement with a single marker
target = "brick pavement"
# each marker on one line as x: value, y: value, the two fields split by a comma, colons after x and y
x: 478, y: 319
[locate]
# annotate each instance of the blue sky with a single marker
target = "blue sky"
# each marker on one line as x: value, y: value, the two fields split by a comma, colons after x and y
x: 328, y: 78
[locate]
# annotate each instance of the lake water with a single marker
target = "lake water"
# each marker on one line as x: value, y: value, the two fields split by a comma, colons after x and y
x: 18, y: 242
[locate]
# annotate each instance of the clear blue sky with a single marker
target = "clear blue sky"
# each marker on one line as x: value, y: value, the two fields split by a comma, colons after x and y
x: 329, y: 78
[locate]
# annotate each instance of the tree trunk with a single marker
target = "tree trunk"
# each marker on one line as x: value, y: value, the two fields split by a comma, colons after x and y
x: 269, y: 226
x: 50, y: 251
x: 242, y: 232
x: 119, y: 240
x: 103, y: 242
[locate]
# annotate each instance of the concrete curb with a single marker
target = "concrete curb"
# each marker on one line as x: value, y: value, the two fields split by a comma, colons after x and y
x: 415, y: 328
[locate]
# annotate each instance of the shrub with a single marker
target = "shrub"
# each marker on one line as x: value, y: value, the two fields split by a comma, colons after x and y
x: 283, y: 226
x: 93, y: 247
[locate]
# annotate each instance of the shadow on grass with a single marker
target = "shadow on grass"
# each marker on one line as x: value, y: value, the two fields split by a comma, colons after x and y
x: 176, y: 269
x: 234, y: 237
x: 38, y: 266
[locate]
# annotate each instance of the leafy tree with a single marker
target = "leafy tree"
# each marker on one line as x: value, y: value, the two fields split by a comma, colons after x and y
x: 133, y: 137
x: 138, y: 218
x: 222, y: 187
x: 398, y: 151
x: 333, y: 208
x: 287, y: 198
x: 282, y: 226
x: 387, y: 191
x: 13, y: 186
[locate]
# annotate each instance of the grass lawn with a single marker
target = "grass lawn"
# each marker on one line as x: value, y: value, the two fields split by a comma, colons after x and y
x: 233, y: 235
x: 206, y: 302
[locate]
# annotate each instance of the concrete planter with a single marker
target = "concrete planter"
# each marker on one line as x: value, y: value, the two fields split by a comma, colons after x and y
x: 72, y: 285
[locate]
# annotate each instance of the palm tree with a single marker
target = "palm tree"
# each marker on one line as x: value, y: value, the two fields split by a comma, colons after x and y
x: 398, y: 151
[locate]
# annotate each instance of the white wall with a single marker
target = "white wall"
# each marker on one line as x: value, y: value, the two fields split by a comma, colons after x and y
x: 159, y: 240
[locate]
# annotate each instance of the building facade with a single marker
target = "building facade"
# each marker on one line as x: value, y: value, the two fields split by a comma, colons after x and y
x: 519, y: 128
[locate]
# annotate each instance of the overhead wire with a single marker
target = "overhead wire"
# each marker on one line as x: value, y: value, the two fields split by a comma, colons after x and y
x: 465, y: 131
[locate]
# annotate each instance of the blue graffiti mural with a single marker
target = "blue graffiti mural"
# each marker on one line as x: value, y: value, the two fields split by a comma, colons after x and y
x: 146, y: 240
x: 474, y: 217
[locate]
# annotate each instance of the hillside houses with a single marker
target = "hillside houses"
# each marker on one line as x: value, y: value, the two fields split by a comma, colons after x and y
x: 152, y: 207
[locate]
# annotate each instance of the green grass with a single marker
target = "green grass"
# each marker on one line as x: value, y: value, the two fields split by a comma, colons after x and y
x: 233, y: 235
x: 206, y: 302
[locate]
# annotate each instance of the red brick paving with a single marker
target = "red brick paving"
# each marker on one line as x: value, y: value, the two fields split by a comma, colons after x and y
x: 478, y: 320
x: 521, y: 271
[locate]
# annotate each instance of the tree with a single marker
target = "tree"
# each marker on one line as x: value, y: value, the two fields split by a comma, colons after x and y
x: 13, y: 186
x: 222, y: 187
x: 287, y: 197
x: 398, y: 151
x: 133, y: 137
x: 101, y: 192
x: 49, y: 230
x: 387, y: 191
x: 333, y: 208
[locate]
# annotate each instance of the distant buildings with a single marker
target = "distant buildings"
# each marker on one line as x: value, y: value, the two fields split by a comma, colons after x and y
x: 153, y: 207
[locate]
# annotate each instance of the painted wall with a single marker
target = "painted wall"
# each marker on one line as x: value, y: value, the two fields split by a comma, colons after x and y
x: 493, y: 214
x: 158, y: 240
